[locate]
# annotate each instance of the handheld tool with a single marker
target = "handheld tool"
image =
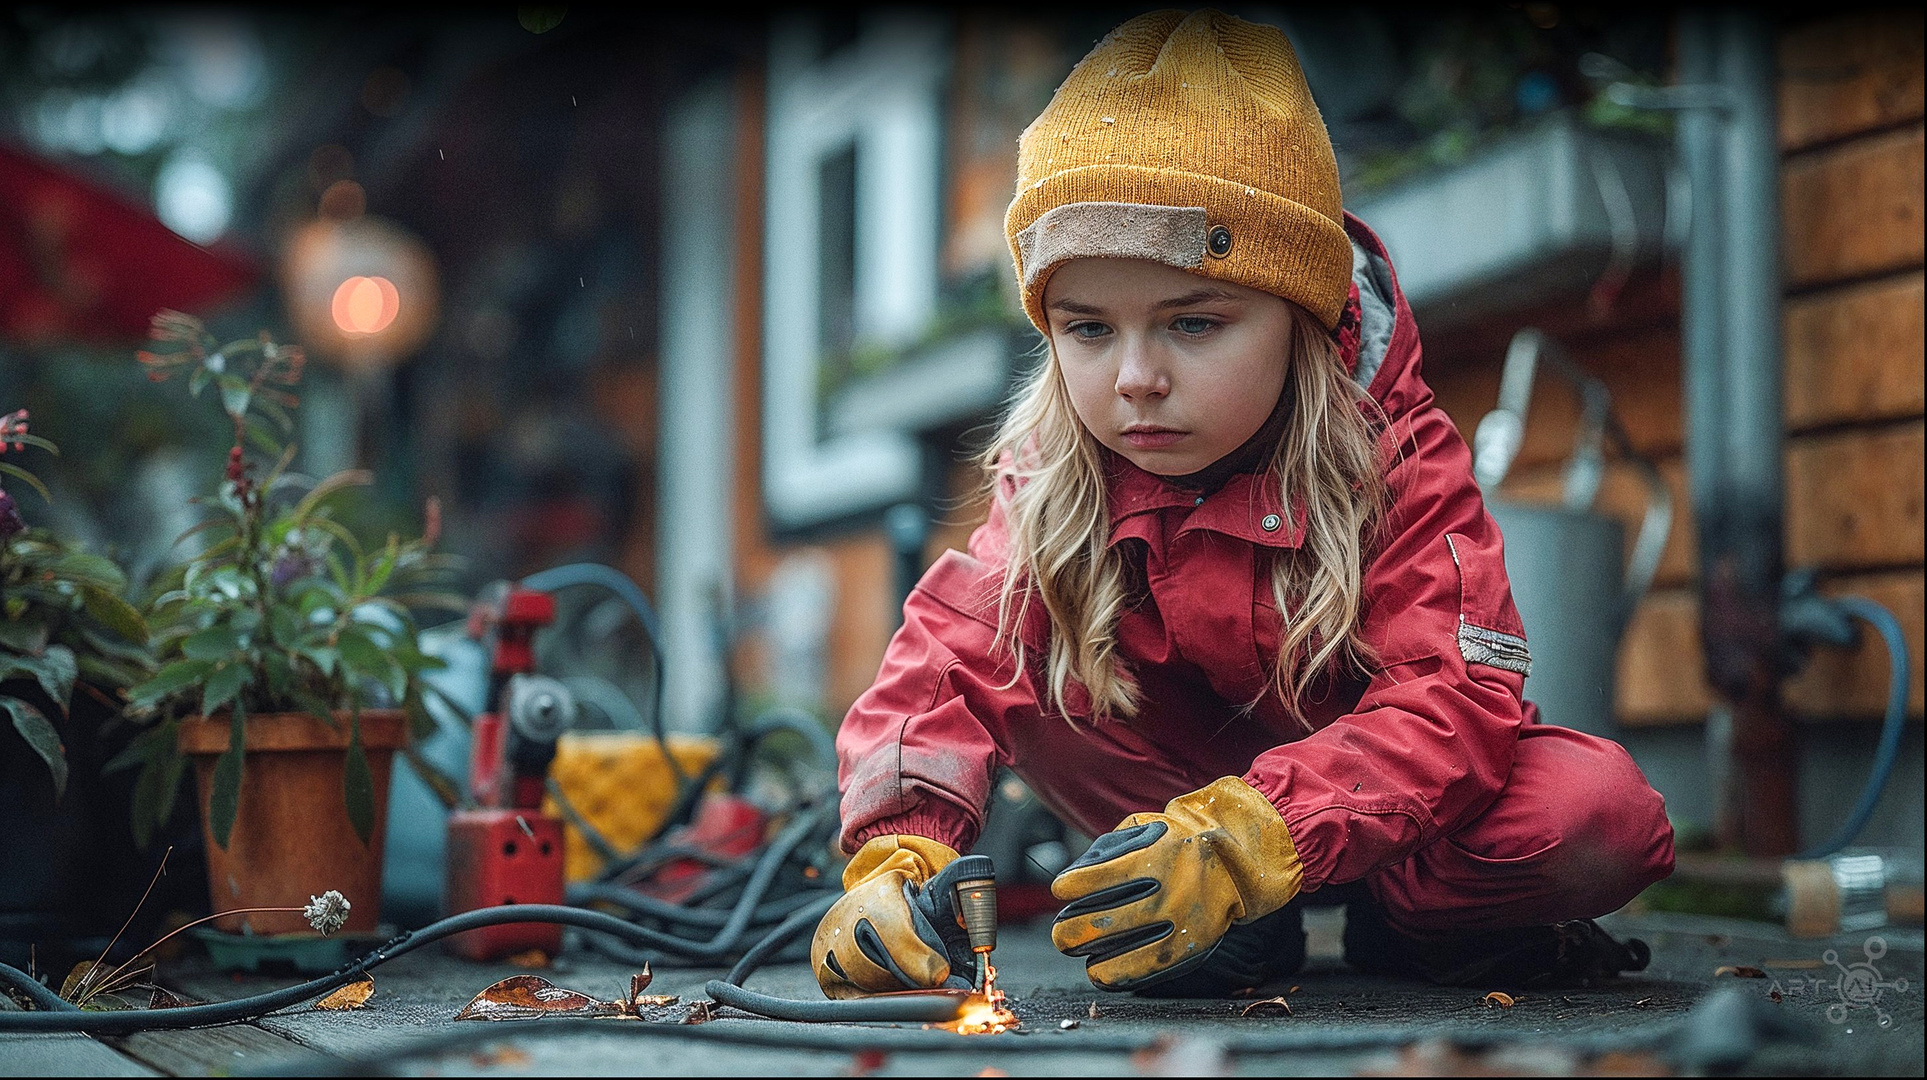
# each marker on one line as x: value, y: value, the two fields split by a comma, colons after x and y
x: 976, y: 905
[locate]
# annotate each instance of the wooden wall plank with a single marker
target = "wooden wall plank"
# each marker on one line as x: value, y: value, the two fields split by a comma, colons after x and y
x: 1640, y: 370
x: 1848, y: 74
x: 1854, y: 498
x: 1855, y: 682
x: 1854, y: 209
x: 1661, y: 664
x: 1855, y: 353
x: 1662, y: 669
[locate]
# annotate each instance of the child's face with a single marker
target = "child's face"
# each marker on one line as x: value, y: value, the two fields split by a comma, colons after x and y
x: 1169, y: 369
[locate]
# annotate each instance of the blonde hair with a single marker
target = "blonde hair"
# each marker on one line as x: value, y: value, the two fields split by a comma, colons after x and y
x: 1059, y: 550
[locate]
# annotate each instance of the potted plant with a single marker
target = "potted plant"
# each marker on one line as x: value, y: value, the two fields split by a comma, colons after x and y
x: 69, y: 644
x: 288, y: 666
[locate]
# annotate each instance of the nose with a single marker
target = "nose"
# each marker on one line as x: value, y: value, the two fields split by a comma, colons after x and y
x: 1141, y: 373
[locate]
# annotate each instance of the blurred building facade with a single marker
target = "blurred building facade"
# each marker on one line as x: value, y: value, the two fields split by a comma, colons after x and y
x: 829, y: 358
x: 722, y: 299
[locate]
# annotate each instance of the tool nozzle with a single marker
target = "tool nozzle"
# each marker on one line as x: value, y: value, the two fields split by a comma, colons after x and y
x: 977, y: 902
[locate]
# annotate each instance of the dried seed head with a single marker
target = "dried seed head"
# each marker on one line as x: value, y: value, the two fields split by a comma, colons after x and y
x: 327, y: 912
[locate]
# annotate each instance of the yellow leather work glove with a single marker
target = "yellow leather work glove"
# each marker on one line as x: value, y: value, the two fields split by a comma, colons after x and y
x: 879, y: 938
x: 1149, y: 900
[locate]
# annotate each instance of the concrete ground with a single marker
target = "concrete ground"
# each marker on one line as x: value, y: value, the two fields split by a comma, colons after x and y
x: 1851, y: 1005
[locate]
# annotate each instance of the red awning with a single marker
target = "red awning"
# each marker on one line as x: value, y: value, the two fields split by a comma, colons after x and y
x: 79, y: 261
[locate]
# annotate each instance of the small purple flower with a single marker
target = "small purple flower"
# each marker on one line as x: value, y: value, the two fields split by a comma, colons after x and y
x: 290, y: 566
x: 11, y: 523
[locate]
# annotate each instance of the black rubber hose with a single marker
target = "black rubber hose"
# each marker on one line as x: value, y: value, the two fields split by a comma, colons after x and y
x: 917, y: 1006
x: 768, y: 913
x: 30, y: 988
x: 723, y: 944
x: 127, y: 1021
x: 774, y: 941
x: 912, y: 1006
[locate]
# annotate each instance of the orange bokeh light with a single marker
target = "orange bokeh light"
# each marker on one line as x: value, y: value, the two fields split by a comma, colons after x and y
x: 365, y: 305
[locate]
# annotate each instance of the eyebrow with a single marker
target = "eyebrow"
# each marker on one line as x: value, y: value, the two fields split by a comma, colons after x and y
x: 1197, y: 296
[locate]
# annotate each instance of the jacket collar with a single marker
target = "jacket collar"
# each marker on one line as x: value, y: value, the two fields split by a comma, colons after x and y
x: 1241, y: 508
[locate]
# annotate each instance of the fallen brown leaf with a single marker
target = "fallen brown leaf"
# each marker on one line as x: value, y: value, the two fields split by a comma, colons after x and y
x: 1093, y: 1013
x: 531, y: 997
x: 700, y: 1012
x: 355, y: 995
x: 77, y: 979
x: 532, y: 958
x: 1500, y: 998
x: 1739, y: 971
x: 164, y: 999
x: 1268, y: 1007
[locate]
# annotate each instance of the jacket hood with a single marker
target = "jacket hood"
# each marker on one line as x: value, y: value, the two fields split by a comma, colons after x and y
x: 1388, y: 347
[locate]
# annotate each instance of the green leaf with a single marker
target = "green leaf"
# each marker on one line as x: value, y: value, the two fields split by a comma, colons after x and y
x: 114, y: 613
x: 284, y: 626
x: 235, y: 395
x: 280, y: 469
x: 222, y: 685
x: 357, y: 782
x: 81, y: 566
x: 224, y: 801
x: 30, y: 479
x: 24, y: 635
x: 347, y: 478
x: 198, y: 381
x: 142, y: 748
x: 39, y: 732
x: 35, y: 440
x: 364, y: 656
x: 54, y: 669
x: 279, y: 671
x: 258, y: 437
x: 214, y: 643
x: 157, y: 786
x: 170, y: 680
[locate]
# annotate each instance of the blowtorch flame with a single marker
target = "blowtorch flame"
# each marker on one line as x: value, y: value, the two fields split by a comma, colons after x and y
x: 984, y: 1012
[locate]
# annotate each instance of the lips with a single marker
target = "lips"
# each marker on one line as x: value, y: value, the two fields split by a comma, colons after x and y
x: 1150, y: 436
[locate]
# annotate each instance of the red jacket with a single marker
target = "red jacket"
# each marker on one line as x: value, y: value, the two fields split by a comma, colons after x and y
x: 1395, y: 761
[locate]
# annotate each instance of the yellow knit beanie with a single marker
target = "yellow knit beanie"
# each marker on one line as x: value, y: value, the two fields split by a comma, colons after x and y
x: 1191, y: 140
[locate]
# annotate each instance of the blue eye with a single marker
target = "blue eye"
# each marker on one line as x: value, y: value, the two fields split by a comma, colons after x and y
x: 1193, y: 325
x: 1088, y: 330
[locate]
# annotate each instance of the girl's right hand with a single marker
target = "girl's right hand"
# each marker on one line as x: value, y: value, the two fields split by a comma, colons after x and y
x: 882, y: 936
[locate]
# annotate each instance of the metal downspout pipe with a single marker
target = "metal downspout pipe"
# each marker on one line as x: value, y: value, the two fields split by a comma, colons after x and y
x: 1731, y: 339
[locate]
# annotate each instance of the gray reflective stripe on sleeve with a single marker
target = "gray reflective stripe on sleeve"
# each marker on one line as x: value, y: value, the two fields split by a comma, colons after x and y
x: 1506, y: 652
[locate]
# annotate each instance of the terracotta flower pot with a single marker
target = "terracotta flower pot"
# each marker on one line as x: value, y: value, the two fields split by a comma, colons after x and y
x: 292, y: 838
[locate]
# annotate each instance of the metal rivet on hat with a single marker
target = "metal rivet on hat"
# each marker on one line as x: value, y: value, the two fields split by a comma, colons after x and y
x: 1271, y: 522
x: 1218, y: 241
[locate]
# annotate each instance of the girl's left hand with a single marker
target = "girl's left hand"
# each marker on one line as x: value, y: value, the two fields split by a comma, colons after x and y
x: 1150, y: 899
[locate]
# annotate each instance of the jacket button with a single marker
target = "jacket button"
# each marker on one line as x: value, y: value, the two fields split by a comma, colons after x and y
x: 1271, y: 522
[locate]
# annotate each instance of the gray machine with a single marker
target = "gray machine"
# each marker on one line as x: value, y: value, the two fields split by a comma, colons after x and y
x: 1570, y: 576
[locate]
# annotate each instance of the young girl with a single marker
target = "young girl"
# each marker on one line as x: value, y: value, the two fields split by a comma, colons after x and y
x: 1238, y: 609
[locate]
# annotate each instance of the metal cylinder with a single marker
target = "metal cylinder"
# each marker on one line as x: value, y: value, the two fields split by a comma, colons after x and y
x: 977, y: 902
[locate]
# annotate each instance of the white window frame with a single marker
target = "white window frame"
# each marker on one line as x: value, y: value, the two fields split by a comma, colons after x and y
x: 882, y: 93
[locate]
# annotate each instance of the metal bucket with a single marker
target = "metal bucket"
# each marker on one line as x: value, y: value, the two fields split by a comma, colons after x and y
x: 1568, y: 565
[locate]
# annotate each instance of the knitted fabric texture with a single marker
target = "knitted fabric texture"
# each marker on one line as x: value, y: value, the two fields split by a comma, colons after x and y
x: 1192, y: 140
